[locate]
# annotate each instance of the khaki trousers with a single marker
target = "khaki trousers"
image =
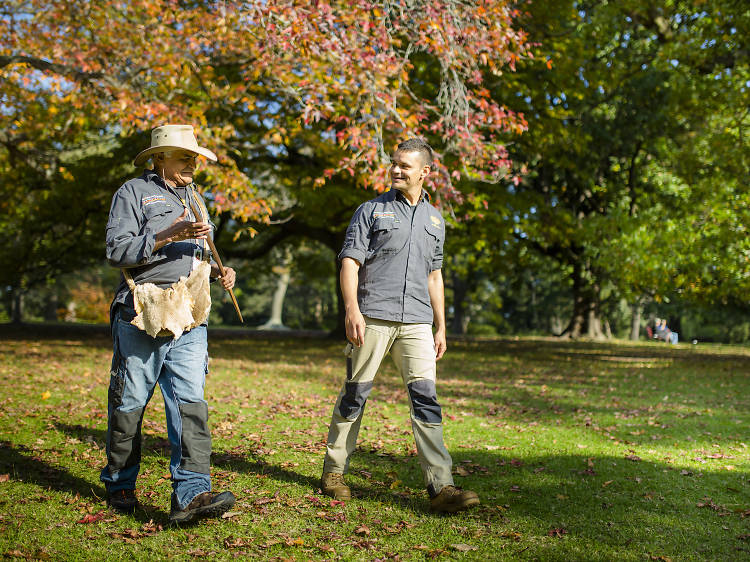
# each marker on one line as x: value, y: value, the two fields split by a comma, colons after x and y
x: 413, y: 351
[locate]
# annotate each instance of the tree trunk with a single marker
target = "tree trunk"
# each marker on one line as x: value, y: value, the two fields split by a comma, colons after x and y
x: 51, y: 304
x: 534, y: 309
x: 586, y: 314
x: 275, y: 322
x: 17, y: 311
x: 460, y: 320
x: 635, y: 322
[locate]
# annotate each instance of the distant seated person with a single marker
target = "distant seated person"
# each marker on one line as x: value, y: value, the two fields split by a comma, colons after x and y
x: 664, y: 333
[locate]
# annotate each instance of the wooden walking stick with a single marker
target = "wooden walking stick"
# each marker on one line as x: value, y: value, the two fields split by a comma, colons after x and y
x: 215, y: 252
x: 221, y: 272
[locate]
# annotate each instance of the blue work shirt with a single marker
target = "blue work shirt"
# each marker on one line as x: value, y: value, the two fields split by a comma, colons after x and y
x: 397, y: 246
x: 140, y: 209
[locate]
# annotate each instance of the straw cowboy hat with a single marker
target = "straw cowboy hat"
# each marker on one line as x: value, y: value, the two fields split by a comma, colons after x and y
x: 170, y: 137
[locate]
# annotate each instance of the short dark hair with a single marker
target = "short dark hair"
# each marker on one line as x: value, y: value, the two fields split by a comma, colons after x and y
x: 417, y: 145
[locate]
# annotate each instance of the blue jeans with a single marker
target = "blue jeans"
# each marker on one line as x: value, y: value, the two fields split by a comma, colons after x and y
x: 179, y: 366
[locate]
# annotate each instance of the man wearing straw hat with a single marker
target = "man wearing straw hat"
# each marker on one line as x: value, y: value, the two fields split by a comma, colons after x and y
x: 157, y: 230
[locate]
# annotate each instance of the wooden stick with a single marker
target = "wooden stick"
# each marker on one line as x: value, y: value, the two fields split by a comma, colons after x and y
x: 221, y: 272
x: 215, y: 252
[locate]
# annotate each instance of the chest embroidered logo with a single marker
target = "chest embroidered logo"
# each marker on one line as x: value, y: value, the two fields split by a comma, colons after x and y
x: 151, y: 199
x: 383, y: 215
x: 435, y: 221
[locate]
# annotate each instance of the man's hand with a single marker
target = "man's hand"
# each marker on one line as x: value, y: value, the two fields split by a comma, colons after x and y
x: 355, y: 327
x: 229, y: 278
x: 440, y: 344
x: 182, y: 229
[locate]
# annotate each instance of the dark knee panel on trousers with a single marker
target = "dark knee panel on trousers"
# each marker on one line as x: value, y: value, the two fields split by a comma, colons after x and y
x: 196, y: 438
x: 354, y: 398
x: 124, y: 439
x: 424, y: 401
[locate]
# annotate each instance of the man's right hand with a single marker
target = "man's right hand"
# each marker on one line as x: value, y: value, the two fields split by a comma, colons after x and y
x: 182, y: 229
x: 355, y: 327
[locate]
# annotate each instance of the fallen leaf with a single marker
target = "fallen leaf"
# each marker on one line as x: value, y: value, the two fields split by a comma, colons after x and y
x: 462, y: 547
x: 362, y: 530
x: 46, y: 394
x: 607, y: 483
x: 91, y: 518
x: 230, y: 514
x: 557, y: 532
x: 634, y: 458
x: 231, y: 542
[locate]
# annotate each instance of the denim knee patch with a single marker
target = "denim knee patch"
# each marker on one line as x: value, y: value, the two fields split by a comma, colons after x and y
x: 354, y: 398
x: 424, y: 401
x: 196, y: 438
x: 124, y: 439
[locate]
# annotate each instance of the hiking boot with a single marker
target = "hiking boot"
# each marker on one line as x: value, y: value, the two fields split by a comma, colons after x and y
x: 207, y: 504
x: 333, y: 485
x: 123, y: 501
x: 452, y: 499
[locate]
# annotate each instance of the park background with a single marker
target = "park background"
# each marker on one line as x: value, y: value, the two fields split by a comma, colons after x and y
x: 592, y: 162
x: 591, y: 155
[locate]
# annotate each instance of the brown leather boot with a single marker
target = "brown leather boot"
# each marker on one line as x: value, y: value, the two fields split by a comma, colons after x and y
x: 207, y: 504
x: 333, y: 485
x: 452, y: 499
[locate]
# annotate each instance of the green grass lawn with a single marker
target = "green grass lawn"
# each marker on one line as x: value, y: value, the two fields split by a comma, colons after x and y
x: 579, y: 451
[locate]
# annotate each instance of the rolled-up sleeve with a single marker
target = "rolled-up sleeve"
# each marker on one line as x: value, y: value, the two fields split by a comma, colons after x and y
x: 357, y: 239
x: 437, y: 259
x: 129, y: 244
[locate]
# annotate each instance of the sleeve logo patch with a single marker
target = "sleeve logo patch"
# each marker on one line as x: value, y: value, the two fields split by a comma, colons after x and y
x: 383, y: 215
x: 436, y: 221
x: 151, y: 199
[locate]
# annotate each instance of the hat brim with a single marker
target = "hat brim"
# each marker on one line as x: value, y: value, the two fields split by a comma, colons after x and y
x: 144, y: 155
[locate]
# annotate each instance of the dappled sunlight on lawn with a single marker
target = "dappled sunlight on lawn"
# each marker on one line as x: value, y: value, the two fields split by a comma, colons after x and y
x: 625, y: 449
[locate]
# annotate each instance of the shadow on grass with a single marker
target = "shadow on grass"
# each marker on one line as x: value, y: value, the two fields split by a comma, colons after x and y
x: 606, y: 500
x: 26, y: 465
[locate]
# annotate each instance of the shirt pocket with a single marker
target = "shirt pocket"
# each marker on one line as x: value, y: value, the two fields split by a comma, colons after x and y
x: 383, y: 231
x: 153, y: 211
x: 158, y: 217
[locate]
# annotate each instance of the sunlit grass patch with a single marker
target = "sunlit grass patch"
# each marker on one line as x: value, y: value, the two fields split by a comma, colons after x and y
x: 578, y: 451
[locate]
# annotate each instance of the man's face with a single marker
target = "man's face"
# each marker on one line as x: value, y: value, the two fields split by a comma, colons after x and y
x: 178, y: 167
x: 408, y: 171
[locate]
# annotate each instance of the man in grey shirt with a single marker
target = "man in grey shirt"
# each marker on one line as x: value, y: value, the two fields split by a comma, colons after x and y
x: 156, y: 234
x: 392, y: 286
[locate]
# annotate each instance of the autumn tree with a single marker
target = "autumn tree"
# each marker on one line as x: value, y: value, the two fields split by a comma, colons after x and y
x: 296, y: 98
x: 629, y: 87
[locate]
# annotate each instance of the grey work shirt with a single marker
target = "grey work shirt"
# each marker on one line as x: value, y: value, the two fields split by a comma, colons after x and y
x: 140, y: 209
x: 397, y: 246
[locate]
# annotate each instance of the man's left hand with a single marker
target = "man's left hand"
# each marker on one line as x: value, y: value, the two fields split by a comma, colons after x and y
x: 440, y: 344
x: 229, y: 278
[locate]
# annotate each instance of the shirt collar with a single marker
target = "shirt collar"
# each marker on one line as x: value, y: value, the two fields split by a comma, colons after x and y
x: 152, y: 176
x: 398, y: 195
